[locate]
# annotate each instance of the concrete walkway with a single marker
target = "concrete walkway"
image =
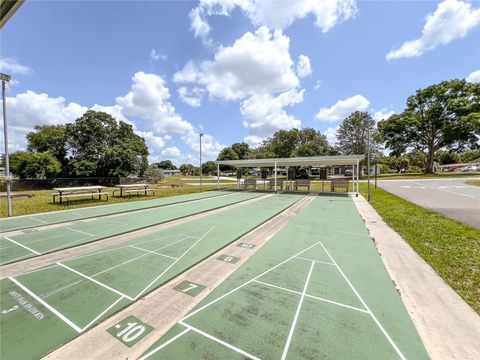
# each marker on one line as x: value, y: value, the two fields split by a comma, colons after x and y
x: 448, y: 326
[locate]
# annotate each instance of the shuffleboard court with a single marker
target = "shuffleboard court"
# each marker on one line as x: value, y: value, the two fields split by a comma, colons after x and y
x: 31, y: 221
x: 34, y: 243
x: 317, y: 290
x: 45, y: 308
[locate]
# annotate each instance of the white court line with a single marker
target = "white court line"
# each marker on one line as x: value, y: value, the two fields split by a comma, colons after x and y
x: 42, y: 221
x: 230, y: 346
x: 173, y: 263
x: 312, y: 296
x: 152, y: 252
x: 54, y: 291
x: 390, y: 340
x: 23, y: 246
x: 317, y: 261
x: 157, y: 349
x: 295, y: 319
x: 102, y: 313
x: 56, y: 312
x: 95, y: 281
x: 248, y: 282
x: 448, y: 191
x: 80, y: 231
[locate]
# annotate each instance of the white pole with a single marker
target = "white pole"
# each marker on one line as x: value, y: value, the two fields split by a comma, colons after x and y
x: 358, y: 175
x: 353, y: 177
x: 201, y: 177
x: 275, y: 176
x: 7, y: 161
x: 218, y: 176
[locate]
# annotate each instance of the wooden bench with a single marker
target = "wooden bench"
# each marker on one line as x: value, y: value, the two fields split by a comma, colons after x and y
x: 66, y: 193
x: 271, y: 184
x: 338, y: 183
x: 302, y: 183
x: 250, y: 182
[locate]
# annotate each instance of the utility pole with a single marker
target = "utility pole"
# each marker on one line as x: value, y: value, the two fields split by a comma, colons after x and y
x: 201, y: 172
x: 5, y: 78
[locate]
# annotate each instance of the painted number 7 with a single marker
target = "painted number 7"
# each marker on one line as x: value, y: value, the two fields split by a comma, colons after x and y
x: 190, y: 287
x: 131, y: 332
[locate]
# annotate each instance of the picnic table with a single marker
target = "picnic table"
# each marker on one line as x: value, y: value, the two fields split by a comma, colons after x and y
x: 68, y: 192
x: 133, y: 188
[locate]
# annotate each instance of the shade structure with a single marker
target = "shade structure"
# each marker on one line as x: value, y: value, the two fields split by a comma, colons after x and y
x: 315, y: 161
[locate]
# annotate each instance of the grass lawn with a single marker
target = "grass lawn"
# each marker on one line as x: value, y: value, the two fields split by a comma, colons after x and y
x: 473, y: 182
x: 450, y: 247
x: 42, y: 199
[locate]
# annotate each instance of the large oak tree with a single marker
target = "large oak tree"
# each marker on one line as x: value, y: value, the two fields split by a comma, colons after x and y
x: 441, y: 116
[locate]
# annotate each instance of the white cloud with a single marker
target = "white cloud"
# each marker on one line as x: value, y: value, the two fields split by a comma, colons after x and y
x: 253, y: 141
x: 304, y: 68
x: 12, y: 67
x: 474, y: 77
x: 257, y: 62
x: 154, y: 56
x: 452, y: 19
x: 331, y: 134
x: 274, y: 14
x: 382, y: 114
x: 343, y: 108
x: 210, y: 147
x: 191, y: 97
x: 148, y: 98
x: 28, y: 109
x: 265, y: 114
x: 171, y: 152
x: 114, y: 110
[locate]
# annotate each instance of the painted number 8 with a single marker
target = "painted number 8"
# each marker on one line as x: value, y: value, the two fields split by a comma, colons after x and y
x: 131, y: 332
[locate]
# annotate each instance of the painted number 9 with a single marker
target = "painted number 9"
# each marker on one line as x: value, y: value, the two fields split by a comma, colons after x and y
x: 131, y: 332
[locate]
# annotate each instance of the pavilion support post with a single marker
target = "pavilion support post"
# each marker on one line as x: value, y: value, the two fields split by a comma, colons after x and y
x: 275, y: 176
x: 358, y: 175
x: 353, y: 178
x: 218, y: 176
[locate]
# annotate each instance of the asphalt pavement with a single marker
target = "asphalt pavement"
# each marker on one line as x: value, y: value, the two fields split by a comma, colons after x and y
x: 451, y: 197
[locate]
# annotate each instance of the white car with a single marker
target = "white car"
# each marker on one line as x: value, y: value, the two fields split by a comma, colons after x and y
x: 470, y: 168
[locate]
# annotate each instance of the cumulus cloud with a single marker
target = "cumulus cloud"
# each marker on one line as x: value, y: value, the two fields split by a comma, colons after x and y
x: 274, y: 14
x: 331, y: 134
x: 171, y: 152
x: 452, y: 20
x: 474, y: 77
x: 343, y: 108
x: 264, y: 114
x: 191, y: 97
x: 304, y: 68
x: 12, y: 67
x: 257, y: 62
x: 30, y: 108
x: 382, y: 114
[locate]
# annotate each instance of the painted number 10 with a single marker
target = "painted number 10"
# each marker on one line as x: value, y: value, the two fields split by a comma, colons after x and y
x: 131, y: 332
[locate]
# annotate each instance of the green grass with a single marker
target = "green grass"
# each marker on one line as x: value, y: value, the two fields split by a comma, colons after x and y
x: 473, y: 182
x: 450, y: 247
x: 42, y: 199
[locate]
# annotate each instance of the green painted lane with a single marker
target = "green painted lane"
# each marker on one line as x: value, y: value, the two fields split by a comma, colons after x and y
x: 31, y: 221
x: 316, y: 290
x: 48, y: 307
x: 35, y: 243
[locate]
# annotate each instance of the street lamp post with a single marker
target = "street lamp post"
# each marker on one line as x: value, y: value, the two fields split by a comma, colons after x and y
x: 5, y: 78
x: 201, y: 172
x: 368, y: 163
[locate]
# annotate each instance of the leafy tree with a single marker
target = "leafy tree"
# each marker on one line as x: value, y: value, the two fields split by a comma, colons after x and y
x: 209, y: 168
x: 447, y: 157
x: 187, y: 169
x: 50, y: 139
x: 352, y: 134
x: 294, y: 142
x: 227, y: 154
x: 27, y: 165
x: 468, y: 156
x: 153, y: 174
x: 441, y: 116
x: 102, y: 147
x: 242, y: 149
x: 166, y: 165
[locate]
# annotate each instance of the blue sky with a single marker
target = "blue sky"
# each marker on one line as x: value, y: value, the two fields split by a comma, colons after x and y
x: 237, y: 71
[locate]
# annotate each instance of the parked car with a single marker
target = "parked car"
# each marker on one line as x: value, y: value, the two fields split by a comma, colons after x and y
x: 348, y: 172
x: 469, y: 168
